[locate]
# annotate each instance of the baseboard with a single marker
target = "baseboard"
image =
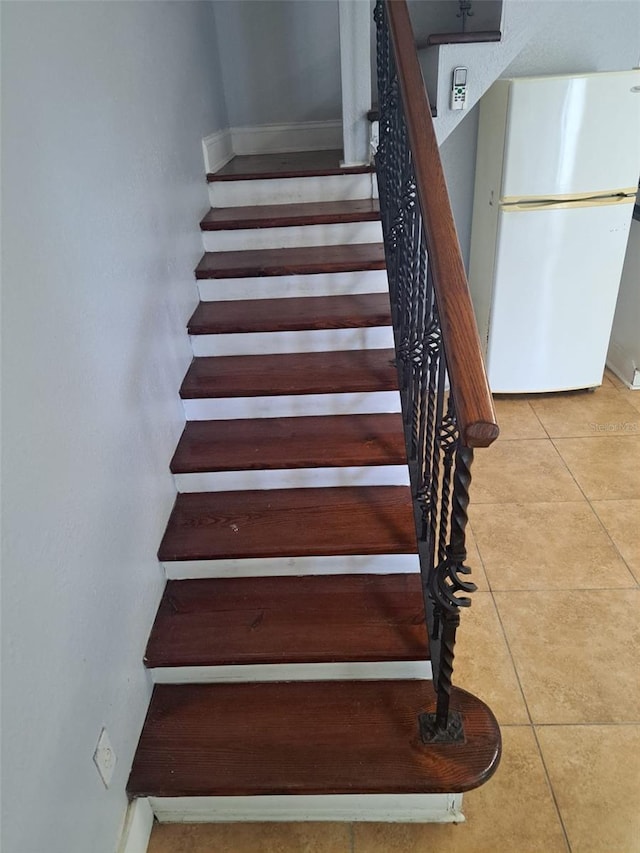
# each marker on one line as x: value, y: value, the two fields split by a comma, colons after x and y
x: 217, y: 149
x: 137, y: 827
x: 620, y: 362
x: 404, y: 808
x: 277, y: 138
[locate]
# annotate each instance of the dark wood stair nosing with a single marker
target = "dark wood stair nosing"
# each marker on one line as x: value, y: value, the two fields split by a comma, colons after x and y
x: 316, y: 441
x: 297, y: 374
x: 296, y: 522
x: 288, y: 215
x: 331, y: 737
x: 294, y: 314
x: 302, y: 164
x: 468, y: 37
x: 247, y: 621
x: 307, y: 260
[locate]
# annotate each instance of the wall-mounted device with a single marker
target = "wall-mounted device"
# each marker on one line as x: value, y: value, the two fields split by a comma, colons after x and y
x: 459, y: 88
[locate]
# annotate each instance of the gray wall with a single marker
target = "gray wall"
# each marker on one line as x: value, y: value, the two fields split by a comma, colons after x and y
x: 104, y: 106
x: 280, y: 60
x: 593, y: 35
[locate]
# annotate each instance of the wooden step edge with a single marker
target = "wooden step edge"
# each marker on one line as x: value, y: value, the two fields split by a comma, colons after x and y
x: 290, y: 374
x: 290, y: 523
x: 295, y: 314
x: 479, y: 37
x: 311, y: 260
x: 326, y: 737
x: 320, y: 172
x: 290, y: 215
x: 288, y: 443
x: 239, y: 622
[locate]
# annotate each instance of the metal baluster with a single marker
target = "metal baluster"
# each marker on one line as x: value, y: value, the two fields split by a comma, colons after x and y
x: 439, y: 463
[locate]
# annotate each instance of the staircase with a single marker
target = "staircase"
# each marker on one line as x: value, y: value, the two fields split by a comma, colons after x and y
x: 289, y: 654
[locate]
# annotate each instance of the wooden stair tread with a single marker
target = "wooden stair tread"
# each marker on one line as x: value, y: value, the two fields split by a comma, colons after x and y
x: 307, y: 738
x: 333, y: 521
x: 295, y: 314
x: 351, y: 371
x: 305, y: 260
x: 281, y: 215
x: 319, y: 619
x: 300, y: 164
x: 468, y: 37
x: 302, y: 442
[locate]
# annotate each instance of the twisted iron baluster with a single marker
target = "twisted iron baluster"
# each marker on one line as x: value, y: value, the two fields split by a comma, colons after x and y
x: 433, y: 443
x: 448, y: 440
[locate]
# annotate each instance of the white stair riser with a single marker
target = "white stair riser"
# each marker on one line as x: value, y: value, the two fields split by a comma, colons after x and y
x: 292, y: 236
x: 307, y: 340
x: 368, y: 564
x: 290, y: 406
x: 291, y: 286
x: 294, y: 478
x: 400, y: 808
x: 354, y: 671
x: 292, y: 190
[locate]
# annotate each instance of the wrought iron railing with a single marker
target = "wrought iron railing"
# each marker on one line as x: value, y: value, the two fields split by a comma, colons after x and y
x: 446, y: 402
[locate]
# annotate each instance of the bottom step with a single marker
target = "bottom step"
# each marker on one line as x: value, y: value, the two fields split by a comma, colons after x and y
x: 304, y: 738
x: 392, y: 808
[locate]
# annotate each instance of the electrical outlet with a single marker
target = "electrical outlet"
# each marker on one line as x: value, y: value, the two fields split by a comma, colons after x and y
x: 104, y: 758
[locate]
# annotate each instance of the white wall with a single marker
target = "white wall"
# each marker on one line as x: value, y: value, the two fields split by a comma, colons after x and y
x: 592, y: 35
x: 442, y: 16
x: 104, y: 105
x: 280, y: 60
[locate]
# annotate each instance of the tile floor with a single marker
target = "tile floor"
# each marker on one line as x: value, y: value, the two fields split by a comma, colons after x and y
x: 551, y: 642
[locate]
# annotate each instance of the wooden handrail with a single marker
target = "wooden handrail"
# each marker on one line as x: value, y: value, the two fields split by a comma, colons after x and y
x: 472, y: 397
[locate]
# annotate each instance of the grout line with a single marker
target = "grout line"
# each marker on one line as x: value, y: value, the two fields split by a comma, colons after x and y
x: 632, y: 585
x: 636, y: 583
x: 539, y: 420
x: 553, y: 793
x: 612, y: 540
x: 599, y: 724
x: 532, y: 726
x: 352, y: 838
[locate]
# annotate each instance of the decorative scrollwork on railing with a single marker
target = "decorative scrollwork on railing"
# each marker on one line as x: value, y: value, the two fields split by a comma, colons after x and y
x: 439, y: 461
x: 446, y: 582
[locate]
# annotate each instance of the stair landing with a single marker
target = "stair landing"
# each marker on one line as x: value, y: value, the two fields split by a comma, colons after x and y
x: 292, y: 165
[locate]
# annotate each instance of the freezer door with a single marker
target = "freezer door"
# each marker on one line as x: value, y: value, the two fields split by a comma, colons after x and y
x: 556, y: 281
x: 572, y: 135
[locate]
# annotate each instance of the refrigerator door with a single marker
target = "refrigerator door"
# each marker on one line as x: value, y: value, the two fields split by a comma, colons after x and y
x: 556, y: 280
x: 572, y: 135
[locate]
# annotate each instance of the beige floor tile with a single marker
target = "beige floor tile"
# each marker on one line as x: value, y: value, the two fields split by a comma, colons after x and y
x: 251, y: 838
x: 491, y: 676
x: 577, y: 653
x: 631, y: 396
x: 521, y: 472
x: 517, y: 419
x: 605, y: 468
x: 546, y: 546
x: 595, y: 775
x: 512, y: 813
x: 622, y: 520
x: 604, y: 413
x: 474, y: 562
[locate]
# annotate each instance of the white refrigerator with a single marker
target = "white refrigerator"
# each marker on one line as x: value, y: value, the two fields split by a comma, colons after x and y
x: 556, y: 177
